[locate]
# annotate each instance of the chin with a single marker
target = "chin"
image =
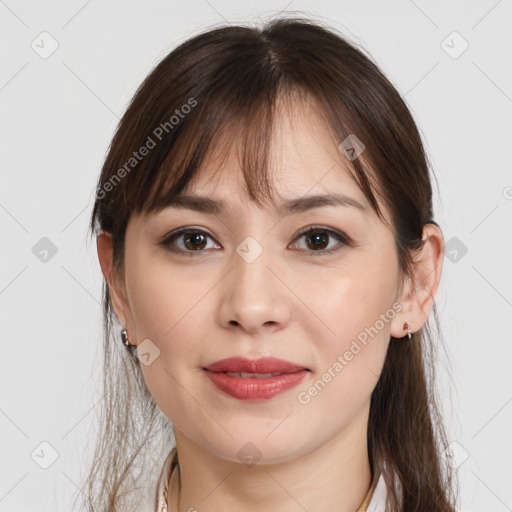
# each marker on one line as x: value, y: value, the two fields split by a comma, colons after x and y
x: 254, y: 447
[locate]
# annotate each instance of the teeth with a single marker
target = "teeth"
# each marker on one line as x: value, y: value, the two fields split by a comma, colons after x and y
x: 256, y: 375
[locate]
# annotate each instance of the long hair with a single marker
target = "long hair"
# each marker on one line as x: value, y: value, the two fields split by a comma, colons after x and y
x: 223, y: 85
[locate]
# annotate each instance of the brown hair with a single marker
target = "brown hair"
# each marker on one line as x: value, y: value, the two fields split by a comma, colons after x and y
x: 224, y: 83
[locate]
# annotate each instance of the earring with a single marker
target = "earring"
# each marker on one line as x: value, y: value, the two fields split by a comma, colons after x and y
x: 126, y: 343
x: 406, y: 326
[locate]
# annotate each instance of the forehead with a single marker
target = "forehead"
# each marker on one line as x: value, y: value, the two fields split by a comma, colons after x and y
x: 304, y: 159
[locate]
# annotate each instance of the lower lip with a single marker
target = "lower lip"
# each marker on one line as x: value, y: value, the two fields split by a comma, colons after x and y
x: 252, y: 388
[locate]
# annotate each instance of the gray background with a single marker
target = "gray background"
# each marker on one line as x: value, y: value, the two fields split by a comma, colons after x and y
x: 58, y: 115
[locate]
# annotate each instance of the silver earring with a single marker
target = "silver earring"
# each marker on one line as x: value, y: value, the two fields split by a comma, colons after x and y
x: 126, y: 343
x: 406, y: 327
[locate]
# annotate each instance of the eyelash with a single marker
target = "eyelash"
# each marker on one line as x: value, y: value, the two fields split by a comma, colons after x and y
x: 341, y: 237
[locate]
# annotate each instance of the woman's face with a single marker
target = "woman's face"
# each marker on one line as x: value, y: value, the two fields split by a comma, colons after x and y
x: 245, y: 282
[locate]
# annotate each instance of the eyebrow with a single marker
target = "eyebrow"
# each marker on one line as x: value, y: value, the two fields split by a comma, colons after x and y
x: 208, y: 205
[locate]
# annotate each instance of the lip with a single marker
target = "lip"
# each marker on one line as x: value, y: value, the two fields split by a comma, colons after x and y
x: 261, y: 365
x: 254, y: 388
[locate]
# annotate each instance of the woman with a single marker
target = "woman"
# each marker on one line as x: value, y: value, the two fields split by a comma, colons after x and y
x: 265, y: 229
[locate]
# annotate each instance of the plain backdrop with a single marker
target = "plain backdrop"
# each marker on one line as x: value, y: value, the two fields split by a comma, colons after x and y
x: 68, y: 70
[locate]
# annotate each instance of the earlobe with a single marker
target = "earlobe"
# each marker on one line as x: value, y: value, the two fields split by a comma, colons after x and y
x: 105, y: 256
x: 417, y: 297
x: 403, y: 321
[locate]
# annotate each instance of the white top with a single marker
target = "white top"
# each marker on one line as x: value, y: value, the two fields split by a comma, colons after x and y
x: 377, y: 501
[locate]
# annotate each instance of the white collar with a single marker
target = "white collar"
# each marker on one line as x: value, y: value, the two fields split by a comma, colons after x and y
x: 378, y: 501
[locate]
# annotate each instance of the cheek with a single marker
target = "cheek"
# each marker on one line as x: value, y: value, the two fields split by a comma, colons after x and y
x: 169, y: 308
x: 351, y: 326
x: 347, y: 300
x: 348, y: 362
x: 165, y: 302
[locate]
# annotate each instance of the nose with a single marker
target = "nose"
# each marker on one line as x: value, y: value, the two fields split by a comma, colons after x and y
x: 253, y: 295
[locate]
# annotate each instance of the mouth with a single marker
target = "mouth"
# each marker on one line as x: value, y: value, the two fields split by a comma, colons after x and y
x: 254, y: 387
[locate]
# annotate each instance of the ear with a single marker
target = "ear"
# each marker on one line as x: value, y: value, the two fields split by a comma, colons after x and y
x: 418, y: 292
x: 115, y: 283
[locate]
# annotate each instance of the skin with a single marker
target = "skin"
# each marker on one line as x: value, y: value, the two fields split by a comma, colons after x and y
x: 286, y: 304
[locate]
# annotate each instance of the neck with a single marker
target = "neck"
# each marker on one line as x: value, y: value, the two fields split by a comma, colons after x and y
x: 336, y: 476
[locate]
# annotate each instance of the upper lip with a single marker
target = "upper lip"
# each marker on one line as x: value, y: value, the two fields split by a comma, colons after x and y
x: 261, y: 365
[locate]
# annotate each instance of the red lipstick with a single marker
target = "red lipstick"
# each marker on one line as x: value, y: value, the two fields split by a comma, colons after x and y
x: 256, y: 379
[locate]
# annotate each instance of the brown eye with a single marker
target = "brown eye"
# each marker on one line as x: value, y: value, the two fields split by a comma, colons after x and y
x: 318, y: 239
x: 195, y: 241
x: 187, y: 241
